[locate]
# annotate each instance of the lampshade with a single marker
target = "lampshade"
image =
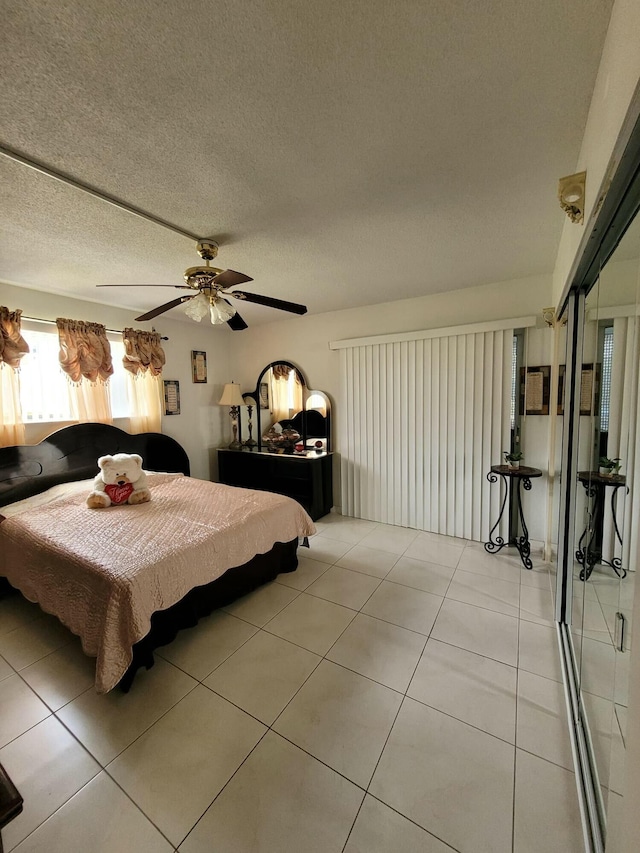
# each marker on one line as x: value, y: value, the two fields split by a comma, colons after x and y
x: 231, y: 395
x: 220, y: 311
x: 197, y: 308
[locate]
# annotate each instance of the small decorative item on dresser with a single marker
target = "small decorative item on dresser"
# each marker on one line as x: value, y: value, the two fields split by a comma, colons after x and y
x: 609, y: 467
x: 281, y: 440
x: 250, y: 403
x: 232, y: 397
x: 513, y: 458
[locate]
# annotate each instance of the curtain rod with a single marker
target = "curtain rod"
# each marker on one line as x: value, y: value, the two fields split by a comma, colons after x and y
x: 14, y: 155
x: 111, y: 331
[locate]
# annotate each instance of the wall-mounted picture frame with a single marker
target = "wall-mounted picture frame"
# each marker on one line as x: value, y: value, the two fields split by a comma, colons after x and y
x: 171, y: 396
x: 198, y: 366
x: 589, y: 389
x: 535, y: 384
x: 264, y: 395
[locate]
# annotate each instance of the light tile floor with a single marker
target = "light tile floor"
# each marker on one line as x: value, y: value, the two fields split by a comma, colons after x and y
x: 400, y: 692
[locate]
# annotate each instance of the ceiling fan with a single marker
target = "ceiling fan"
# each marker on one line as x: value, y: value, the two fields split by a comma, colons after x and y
x: 209, y: 284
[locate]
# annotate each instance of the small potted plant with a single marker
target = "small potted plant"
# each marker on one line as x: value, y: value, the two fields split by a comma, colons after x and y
x: 609, y: 467
x: 513, y: 458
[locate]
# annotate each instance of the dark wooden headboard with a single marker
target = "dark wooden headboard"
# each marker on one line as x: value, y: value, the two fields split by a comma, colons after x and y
x: 72, y: 454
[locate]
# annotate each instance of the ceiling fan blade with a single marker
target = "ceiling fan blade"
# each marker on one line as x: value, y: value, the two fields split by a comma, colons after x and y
x: 162, y: 308
x: 230, y: 277
x: 179, y: 286
x: 281, y: 304
x: 236, y: 323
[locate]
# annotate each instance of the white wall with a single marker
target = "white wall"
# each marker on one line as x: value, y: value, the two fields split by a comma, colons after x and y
x: 539, y: 350
x: 202, y: 425
x: 615, y: 95
x: 305, y: 340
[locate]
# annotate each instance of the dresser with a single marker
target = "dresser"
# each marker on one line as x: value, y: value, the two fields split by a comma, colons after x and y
x: 307, y: 479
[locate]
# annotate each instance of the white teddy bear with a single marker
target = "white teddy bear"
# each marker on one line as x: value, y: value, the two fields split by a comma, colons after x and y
x: 121, y: 480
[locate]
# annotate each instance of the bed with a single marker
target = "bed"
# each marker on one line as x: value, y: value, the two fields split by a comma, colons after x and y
x: 126, y: 579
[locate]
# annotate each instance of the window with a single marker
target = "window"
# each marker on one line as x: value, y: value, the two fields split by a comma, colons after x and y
x: 605, y: 396
x: 44, y: 389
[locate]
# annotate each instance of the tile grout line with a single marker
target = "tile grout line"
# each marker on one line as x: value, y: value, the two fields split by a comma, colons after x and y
x: 515, y: 744
x: 278, y: 734
x: 251, y: 751
x: 395, y: 720
x: 393, y: 809
x: 269, y: 728
x: 103, y: 767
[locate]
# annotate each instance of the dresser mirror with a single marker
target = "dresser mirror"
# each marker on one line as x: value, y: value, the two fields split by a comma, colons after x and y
x: 283, y: 415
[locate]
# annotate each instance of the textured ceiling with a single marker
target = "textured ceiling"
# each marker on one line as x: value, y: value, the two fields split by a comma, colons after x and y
x: 342, y: 153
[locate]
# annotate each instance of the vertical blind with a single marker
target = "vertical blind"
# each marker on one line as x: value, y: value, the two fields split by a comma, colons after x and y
x: 423, y: 421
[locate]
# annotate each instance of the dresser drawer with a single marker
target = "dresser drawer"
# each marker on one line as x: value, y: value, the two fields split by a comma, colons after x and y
x: 307, y: 479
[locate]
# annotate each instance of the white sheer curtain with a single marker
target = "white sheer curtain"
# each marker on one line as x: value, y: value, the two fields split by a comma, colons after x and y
x: 286, y: 392
x: 144, y: 359
x: 11, y: 426
x: 90, y: 402
x: 279, y: 398
x: 12, y: 349
x: 144, y: 392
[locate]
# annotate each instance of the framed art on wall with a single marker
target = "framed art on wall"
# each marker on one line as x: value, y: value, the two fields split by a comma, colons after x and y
x: 171, y: 396
x: 198, y: 366
x: 264, y: 395
x: 534, y: 389
x: 589, y: 389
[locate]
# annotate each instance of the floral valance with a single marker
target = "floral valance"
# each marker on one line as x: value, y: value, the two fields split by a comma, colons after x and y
x: 12, y: 345
x: 143, y: 351
x: 84, y: 350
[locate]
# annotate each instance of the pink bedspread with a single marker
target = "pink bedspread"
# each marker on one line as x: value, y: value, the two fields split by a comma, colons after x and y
x: 103, y: 572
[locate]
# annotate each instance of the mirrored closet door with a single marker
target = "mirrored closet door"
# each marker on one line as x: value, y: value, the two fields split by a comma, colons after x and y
x: 608, y: 500
x: 599, y: 504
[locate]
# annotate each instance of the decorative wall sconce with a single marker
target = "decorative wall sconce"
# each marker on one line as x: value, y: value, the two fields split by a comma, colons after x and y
x: 232, y: 397
x: 571, y: 192
x: 550, y: 317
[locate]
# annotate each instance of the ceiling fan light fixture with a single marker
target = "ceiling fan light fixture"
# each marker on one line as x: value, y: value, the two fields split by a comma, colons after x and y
x: 220, y: 311
x: 197, y: 308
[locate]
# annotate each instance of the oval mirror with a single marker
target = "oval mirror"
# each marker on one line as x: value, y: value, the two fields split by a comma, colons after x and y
x: 289, y: 417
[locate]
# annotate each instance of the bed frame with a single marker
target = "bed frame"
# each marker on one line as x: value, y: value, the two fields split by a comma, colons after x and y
x: 71, y: 454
